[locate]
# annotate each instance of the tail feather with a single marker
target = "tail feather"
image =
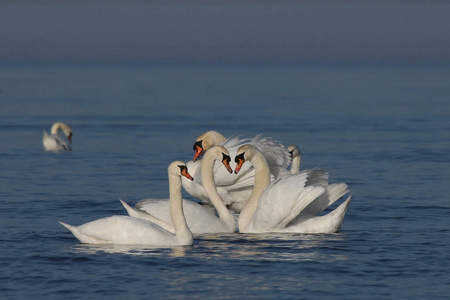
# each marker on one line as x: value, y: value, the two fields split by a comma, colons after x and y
x: 339, y: 213
x: 131, y: 211
x: 140, y: 214
x: 70, y: 227
x: 83, y: 238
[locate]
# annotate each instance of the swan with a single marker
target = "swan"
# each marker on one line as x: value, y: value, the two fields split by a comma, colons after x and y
x: 54, y: 141
x: 130, y: 230
x: 289, y: 204
x: 234, y: 189
x: 199, y: 218
x: 295, y: 154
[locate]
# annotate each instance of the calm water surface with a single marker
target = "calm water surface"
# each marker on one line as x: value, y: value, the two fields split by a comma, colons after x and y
x: 384, y: 130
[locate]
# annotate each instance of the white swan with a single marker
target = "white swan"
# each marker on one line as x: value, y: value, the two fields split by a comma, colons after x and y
x: 54, y: 141
x: 295, y: 153
x: 129, y: 230
x: 290, y: 204
x: 235, y: 189
x: 199, y: 218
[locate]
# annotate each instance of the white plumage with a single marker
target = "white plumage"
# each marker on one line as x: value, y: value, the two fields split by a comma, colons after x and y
x: 292, y: 203
x: 235, y: 189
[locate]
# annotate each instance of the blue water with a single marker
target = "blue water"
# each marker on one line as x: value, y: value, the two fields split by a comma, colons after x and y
x: 384, y: 130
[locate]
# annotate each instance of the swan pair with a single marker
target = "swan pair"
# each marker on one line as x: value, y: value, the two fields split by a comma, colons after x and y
x: 234, y: 189
x: 54, y: 141
x: 159, y: 229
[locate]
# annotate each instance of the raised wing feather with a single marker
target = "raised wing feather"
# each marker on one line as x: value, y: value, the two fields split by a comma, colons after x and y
x: 285, y: 198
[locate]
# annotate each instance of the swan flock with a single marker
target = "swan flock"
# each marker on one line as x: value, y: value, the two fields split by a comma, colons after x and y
x: 245, y: 185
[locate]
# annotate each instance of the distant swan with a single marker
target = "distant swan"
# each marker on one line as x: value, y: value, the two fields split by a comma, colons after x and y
x: 129, y: 230
x: 54, y: 141
x: 290, y: 204
x: 235, y: 189
x: 294, y: 151
x: 199, y: 218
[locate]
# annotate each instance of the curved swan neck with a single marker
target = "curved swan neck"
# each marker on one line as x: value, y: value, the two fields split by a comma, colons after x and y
x: 262, y: 180
x: 210, y: 187
x: 211, y: 138
x: 176, y: 208
x: 295, y: 165
x: 57, y: 126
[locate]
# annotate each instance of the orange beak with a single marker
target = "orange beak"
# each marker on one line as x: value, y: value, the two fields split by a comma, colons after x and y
x: 239, y: 164
x: 186, y: 174
x: 226, y: 163
x: 70, y: 137
x: 198, y: 152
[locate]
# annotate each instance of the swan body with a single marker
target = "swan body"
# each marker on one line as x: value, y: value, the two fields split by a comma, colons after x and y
x: 54, y: 141
x: 234, y: 189
x: 289, y: 204
x: 131, y: 230
x: 295, y: 154
x: 199, y: 218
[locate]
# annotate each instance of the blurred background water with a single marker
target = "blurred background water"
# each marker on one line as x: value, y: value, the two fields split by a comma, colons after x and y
x: 383, y: 128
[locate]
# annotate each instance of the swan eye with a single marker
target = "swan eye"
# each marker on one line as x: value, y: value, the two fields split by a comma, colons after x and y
x: 226, y: 158
x: 198, y: 144
x: 239, y: 157
x: 184, y: 172
x: 291, y: 153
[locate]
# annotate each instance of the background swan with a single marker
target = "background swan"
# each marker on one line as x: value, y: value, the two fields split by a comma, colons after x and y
x: 235, y: 189
x: 200, y: 219
x: 129, y: 230
x: 278, y: 206
x: 295, y: 153
x: 54, y: 141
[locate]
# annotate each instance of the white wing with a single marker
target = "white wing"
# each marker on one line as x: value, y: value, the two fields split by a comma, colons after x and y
x: 122, y: 230
x: 55, y: 142
x: 200, y: 219
x: 284, y: 199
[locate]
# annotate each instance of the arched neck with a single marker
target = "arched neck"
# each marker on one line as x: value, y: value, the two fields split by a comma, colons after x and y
x: 215, y: 138
x: 55, y: 128
x: 209, y: 185
x: 262, y: 180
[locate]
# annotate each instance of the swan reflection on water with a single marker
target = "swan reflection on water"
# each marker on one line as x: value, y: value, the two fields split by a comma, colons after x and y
x: 270, y: 246
x: 135, y: 250
x: 246, y: 247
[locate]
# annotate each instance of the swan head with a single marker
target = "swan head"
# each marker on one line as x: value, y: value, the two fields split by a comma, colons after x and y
x: 226, y: 159
x: 294, y: 150
x: 220, y: 153
x: 179, y: 168
x: 64, y: 127
x: 243, y: 154
x: 206, y: 141
x: 69, y: 137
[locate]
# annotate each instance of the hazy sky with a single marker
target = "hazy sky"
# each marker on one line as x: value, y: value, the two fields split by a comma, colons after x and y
x: 240, y: 31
